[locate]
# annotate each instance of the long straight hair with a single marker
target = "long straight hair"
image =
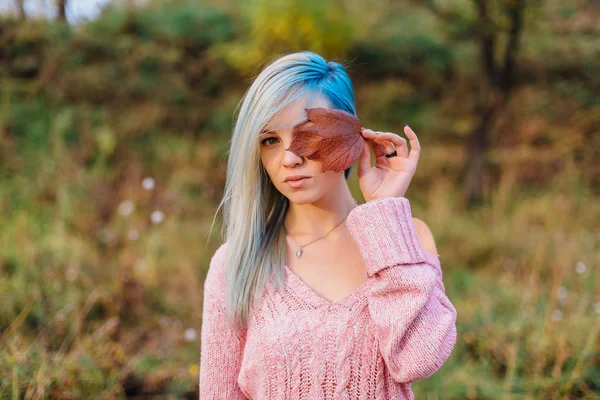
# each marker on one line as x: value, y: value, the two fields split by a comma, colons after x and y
x: 253, y: 208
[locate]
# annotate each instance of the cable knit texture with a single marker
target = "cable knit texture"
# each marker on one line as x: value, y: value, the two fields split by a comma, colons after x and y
x: 398, y: 327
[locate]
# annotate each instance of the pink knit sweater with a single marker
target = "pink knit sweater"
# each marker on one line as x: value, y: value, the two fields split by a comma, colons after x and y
x: 396, y: 328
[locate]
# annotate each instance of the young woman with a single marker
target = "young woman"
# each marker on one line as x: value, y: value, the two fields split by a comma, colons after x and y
x: 312, y: 296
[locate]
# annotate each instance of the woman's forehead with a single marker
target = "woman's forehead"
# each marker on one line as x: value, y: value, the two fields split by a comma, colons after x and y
x: 294, y: 113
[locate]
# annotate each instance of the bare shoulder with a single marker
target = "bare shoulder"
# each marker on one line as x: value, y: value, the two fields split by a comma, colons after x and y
x: 425, y: 236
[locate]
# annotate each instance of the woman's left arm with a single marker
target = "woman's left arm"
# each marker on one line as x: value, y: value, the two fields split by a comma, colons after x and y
x: 415, y: 322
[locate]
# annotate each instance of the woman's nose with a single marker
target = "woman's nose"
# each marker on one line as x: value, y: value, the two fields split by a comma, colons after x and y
x: 290, y: 158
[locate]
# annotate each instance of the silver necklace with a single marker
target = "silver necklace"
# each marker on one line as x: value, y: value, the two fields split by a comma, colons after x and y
x: 300, y: 251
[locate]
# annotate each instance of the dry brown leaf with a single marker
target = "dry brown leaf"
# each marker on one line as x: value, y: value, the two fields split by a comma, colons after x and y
x: 330, y: 136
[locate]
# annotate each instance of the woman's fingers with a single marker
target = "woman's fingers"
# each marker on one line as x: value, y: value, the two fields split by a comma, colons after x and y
x: 391, y: 137
x: 398, y: 141
x: 415, y: 146
x: 364, y: 160
x: 388, y: 142
x: 378, y: 148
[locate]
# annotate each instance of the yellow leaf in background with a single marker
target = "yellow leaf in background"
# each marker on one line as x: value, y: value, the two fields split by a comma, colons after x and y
x: 194, y: 369
x: 106, y: 141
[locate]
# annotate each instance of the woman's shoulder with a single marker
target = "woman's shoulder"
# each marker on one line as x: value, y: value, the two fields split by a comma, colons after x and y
x: 215, y: 277
x: 425, y: 235
x: 219, y: 254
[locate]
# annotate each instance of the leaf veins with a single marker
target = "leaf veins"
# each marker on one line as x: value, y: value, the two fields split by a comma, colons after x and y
x: 330, y: 136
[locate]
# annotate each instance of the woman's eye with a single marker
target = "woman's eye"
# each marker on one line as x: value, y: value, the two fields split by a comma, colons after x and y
x: 265, y: 140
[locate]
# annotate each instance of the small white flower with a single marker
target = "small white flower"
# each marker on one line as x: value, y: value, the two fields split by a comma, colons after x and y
x: 126, y: 207
x: 580, y: 267
x: 132, y: 234
x: 157, y: 217
x: 148, y: 183
x: 190, y: 335
x: 597, y: 308
x: 557, y: 315
x: 562, y: 294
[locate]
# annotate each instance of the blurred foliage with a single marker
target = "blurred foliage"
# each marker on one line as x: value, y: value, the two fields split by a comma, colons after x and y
x: 290, y: 25
x: 123, y: 65
x: 113, y: 137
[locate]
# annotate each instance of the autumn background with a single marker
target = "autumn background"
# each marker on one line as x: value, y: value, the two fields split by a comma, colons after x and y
x: 113, y: 140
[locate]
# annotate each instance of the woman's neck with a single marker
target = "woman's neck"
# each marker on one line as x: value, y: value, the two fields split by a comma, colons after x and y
x: 306, y: 222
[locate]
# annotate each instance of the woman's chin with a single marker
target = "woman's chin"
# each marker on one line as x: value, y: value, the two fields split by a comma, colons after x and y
x: 301, y: 198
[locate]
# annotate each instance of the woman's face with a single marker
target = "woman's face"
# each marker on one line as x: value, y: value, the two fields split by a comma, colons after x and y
x: 281, y: 164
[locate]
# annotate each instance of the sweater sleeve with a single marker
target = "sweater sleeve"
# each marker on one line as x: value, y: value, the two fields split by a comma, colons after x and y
x: 415, y: 322
x: 221, y: 345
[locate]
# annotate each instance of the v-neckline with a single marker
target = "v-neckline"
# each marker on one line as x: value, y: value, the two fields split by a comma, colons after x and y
x: 317, y: 300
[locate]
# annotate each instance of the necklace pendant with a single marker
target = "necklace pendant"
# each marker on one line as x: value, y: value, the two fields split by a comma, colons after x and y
x: 298, y: 253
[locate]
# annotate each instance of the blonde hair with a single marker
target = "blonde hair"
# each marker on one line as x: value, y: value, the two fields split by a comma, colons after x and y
x: 253, y: 209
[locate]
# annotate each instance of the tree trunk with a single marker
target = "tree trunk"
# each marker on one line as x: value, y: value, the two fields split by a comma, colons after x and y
x: 62, y: 10
x: 21, y: 9
x: 499, y: 79
x: 479, y: 143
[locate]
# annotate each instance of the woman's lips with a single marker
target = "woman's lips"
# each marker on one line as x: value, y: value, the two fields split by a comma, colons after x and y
x: 297, y: 183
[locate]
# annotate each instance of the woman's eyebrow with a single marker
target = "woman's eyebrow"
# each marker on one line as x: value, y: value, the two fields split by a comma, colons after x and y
x: 265, y: 131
